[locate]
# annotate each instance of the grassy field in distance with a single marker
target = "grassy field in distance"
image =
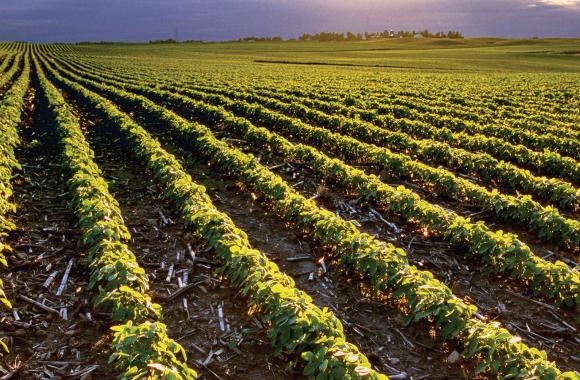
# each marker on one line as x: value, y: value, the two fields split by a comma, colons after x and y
x: 472, y: 54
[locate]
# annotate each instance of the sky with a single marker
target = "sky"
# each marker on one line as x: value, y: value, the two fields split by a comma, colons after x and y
x: 143, y: 20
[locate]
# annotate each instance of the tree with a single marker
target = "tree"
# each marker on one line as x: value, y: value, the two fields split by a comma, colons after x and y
x: 454, y: 34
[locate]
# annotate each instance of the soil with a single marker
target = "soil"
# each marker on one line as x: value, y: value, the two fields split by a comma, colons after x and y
x: 373, y: 326
x: 162, y: 245
x: 43, y: 344
x: 538, y: 323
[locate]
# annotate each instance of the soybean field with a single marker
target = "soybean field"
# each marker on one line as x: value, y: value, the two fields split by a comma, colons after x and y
x: 292, y: 210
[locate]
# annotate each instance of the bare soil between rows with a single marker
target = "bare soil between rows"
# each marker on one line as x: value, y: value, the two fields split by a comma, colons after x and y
x: 241, y: 351
x: 238, y: 349
x: 376, y: 328
x: 43, y: 344
x: 499, y: 299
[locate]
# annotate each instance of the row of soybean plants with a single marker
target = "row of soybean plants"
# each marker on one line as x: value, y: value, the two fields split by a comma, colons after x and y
x: 560, y: 193
x: 141, y: 347
x: 548, y: 163
x: 518, y: 112
x: 11, y: 108
x: 449, y: 111
x: 297, y: 326
x: 8, y: 76
x: 516, y: 132
x: 482, y: 165
x: 383, y: 266
x: 546, y: 222
x: 502, y: 252
x: 496, y: 143
x: 543, y: 163
x: 7, y: 59
x: 485, y: 166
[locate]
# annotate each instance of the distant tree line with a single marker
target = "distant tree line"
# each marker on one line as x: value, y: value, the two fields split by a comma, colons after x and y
x: 349, y: 36
x: 259, y: 39
x: 167, y: 41
x: 322, y: 36
x: 102, y: 43
x: 243, y: 39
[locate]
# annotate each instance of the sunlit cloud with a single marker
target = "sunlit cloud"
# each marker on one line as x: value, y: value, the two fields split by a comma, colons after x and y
x: 562, y: 3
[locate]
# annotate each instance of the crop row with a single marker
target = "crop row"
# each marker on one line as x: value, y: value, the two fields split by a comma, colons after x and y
x: 141, y: 347
x: 503, y: 252
x: 383, y: 266
x: 297, y: 325
x: 546, y: 163
x: 12, y: 71
x: 445, y: 112
x: 5, y: 62
x: 511, y: 110
x: 485, y: 166
x: 11, y: 107
x: 442, y: 112
x: 546, y: 222
x: 561, y: 193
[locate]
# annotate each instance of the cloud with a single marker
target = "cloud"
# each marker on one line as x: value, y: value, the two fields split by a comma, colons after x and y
x: 562, y: 3
x: 142, y: 20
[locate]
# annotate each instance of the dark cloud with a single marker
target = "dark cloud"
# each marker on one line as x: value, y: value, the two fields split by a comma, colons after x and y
x: 141, y: 20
